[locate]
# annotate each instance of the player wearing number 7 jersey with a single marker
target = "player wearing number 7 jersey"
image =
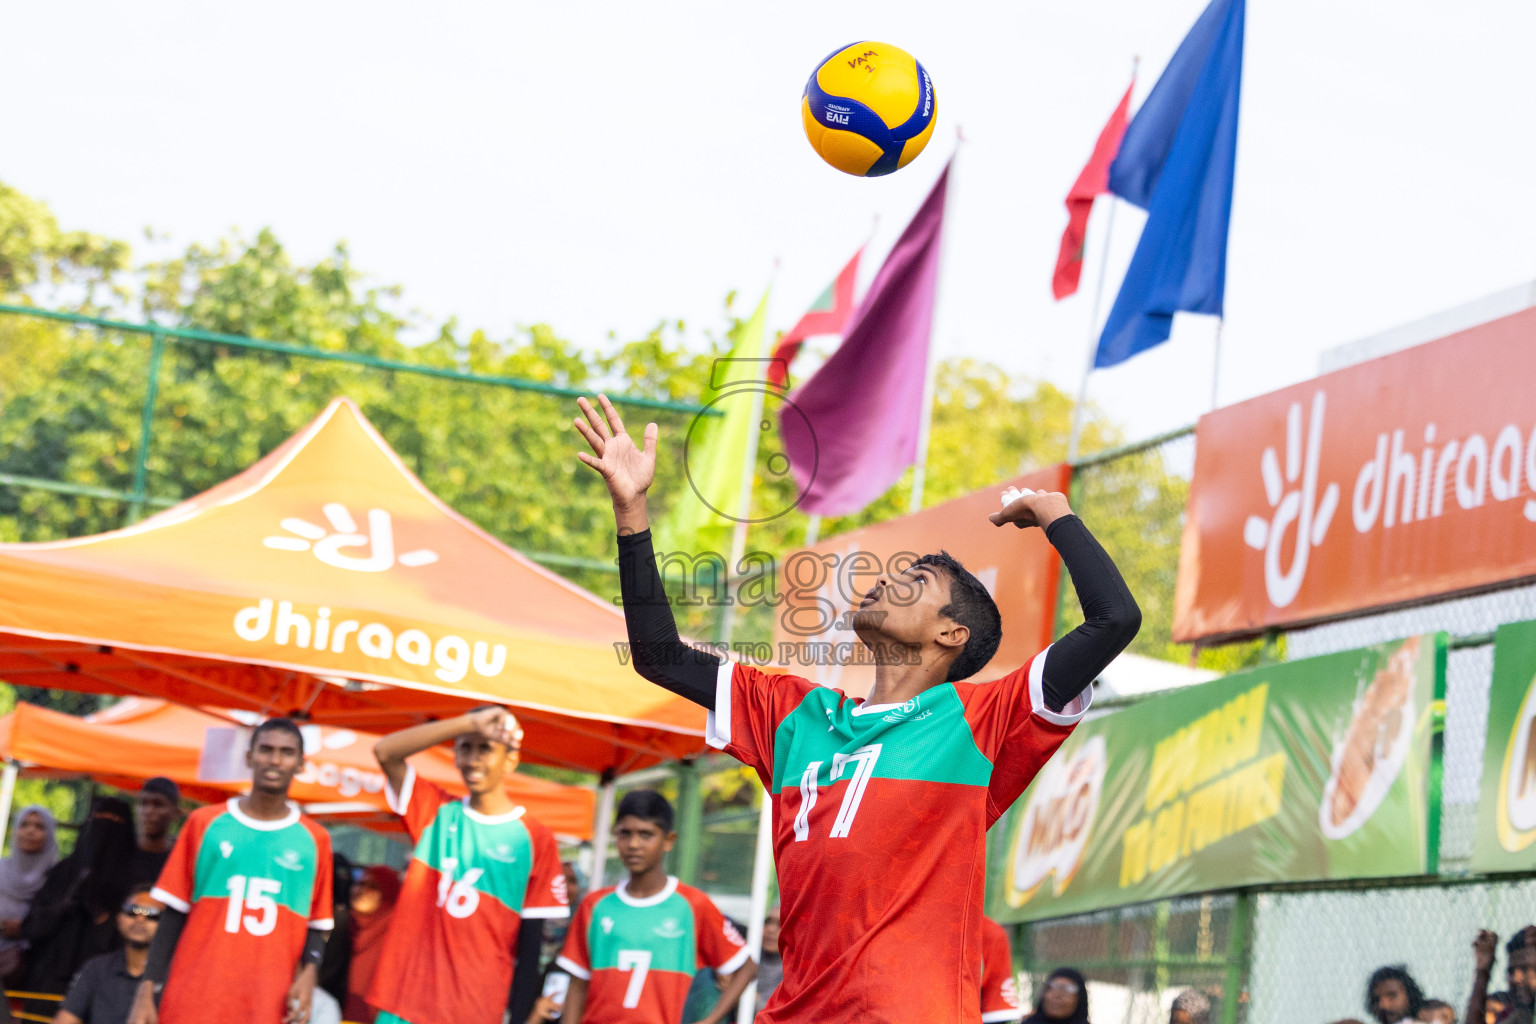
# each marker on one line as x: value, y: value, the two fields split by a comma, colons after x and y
x: 247, y: 891
x: 634, y: 948
x: 481, y: 867
x: 881, y: 803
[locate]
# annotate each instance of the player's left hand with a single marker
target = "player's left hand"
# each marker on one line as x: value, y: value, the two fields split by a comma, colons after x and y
x: 301, y: 995
x: 1026, y: 508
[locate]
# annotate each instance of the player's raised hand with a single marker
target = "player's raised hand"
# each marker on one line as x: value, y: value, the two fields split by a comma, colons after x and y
x: 497, y: 725
x: 626, y: 469
x: 1484, y: 948
x: 1026, y: 508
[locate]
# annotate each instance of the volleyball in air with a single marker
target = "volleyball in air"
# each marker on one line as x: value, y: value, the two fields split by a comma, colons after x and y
x: 869, y: 109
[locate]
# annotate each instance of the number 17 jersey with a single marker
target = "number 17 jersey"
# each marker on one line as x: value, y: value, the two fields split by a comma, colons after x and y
x: 880, y: 814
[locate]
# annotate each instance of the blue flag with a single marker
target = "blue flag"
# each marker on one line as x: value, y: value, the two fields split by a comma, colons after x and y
x: 1176, y: 162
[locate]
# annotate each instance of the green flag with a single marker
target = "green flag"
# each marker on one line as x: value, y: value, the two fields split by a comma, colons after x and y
x: 718, y: 447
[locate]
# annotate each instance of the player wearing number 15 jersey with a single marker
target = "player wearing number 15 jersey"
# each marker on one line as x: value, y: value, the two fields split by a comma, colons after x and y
x: 247, y: 890
x: 634, y: 948
x: 881, y: 803
x: 480, y: 869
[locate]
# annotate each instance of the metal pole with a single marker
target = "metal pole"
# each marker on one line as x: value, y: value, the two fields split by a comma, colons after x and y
x: 743, y: 513
x: 146, y: 428
x: 812, y: 530
x: 600, y: 831
x: 1079, y: 411
x: 1239, y: 934
x: 7, y: 794
x: 762, y: 864
x: 1216, y: 362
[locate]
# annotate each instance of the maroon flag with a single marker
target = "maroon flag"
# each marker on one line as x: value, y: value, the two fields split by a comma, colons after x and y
x: 1093, y: 180
x: 828, y: 315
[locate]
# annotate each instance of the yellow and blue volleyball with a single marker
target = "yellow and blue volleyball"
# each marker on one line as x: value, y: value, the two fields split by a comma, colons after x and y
x: 869, y: 109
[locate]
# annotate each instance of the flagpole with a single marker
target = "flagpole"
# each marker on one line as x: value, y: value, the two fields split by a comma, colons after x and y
x: 1216, y: 361
x: 812, y: 529
x: 925, y: 425
x: 744, y: 494
x: 1080, y: 410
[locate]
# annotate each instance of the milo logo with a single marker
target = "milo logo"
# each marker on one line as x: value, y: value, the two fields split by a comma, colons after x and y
x: 1517, y: 779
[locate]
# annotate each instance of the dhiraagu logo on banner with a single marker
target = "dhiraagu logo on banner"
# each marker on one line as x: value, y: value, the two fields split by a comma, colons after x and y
x: 1302, y: 771
x: 1506, y: 813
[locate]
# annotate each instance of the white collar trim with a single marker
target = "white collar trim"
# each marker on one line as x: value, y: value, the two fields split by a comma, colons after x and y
x: 622, y: 892
x: 256, y: 823
x: 492, y: 819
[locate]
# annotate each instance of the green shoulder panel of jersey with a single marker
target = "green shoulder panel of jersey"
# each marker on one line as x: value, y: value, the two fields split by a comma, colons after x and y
x: 235, y: 860
x: 664, y: 930
x: 926, y: 739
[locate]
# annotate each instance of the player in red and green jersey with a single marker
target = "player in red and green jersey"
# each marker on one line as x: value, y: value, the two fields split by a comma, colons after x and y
x: 481, y: 867
x: 634, y: 948
x: 999, y: 987
x: 247, y: 890
x: 880, y: 804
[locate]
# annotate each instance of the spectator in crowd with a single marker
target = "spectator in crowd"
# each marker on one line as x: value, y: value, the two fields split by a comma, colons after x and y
x: 102, y: 992
x: 1514, y: 1006
x: 159, y: 810
x: 1392, y: 995
x: 1063, y: 997
x: 335, y: 964
x: 770, y: 968
x: 1190, y: 1007
x: 34, y: 849
x: 372, y: 906
x: 73, y: 916
x: 1437, y: 1011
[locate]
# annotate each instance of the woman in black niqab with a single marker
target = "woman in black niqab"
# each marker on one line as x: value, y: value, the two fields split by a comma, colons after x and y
x: 1063, y: 999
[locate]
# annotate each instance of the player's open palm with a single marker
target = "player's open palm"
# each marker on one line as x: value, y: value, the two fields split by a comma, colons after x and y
x: 628, y: 470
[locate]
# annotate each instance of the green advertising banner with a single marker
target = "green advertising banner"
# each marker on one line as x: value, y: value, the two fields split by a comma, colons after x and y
x: 1307, y: 770
x: 1506, y: 809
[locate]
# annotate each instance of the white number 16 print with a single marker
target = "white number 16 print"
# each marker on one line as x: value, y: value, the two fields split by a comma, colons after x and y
x: 863, y: 761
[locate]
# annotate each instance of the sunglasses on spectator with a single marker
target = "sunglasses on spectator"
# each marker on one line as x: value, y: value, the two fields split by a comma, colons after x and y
x: 139, y: 910
x: 1063, y: 985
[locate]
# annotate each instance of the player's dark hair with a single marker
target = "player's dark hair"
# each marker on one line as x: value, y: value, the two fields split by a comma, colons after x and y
x: 972, y: 607
x: 1398, y: 973
x: 279, y: 725
x: 647, y: 805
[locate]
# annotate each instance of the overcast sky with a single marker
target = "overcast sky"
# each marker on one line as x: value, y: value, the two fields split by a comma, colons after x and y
x: 603, y: 166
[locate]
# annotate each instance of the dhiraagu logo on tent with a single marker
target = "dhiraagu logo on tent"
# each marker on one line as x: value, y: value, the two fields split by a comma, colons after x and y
x: 330, y: 545
x: 1517, y: 779
x: 1054, y: 830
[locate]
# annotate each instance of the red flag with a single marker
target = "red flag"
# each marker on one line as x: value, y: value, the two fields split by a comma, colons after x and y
x: 828, y: 315
x: 1093, y: 180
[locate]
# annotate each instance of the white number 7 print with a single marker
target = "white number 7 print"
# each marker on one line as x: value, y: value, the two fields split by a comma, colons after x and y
x: 638, y: 961
x: 863, y: 761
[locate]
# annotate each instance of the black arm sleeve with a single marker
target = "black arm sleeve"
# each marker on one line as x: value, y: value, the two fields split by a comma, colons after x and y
x: 314, y: 947
x: 163, y: 947
x: 655, y: 649
x: 1110, y: 615
x: 527, y: 978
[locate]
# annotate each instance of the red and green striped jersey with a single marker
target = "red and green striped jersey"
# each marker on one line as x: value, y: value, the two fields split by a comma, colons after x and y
x: 880, y: 816
x: 472, y: 879
x: 640, y: 955
x: 251, y: 890
x: 999, y: 989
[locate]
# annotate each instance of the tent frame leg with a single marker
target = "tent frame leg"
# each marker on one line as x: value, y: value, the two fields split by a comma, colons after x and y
x: 762, y: 866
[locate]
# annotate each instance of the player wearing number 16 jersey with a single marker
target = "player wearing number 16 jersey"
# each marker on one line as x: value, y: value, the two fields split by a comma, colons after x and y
x: 247, y: 891
x: 880, y: 803
x: 480, y: 868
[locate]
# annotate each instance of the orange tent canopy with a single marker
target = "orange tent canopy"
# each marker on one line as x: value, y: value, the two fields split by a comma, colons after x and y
x: 140, y: 738
x: 327, y: 582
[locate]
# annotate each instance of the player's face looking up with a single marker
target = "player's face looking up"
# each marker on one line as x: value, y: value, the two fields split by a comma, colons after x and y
x: 642, y: 844
x: 905, y: 611
x: 275, y: 757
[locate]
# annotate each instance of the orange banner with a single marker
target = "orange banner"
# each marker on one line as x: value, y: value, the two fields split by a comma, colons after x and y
x: 1407, y: 477
x: 823, y: 583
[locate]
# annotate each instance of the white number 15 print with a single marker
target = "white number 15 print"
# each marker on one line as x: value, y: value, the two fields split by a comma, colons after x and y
x: 863, y: 761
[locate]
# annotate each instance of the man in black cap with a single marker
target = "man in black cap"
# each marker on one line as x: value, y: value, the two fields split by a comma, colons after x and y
x: 159, y: 810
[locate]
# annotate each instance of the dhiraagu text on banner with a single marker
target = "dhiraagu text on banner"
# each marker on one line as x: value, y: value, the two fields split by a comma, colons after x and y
x: 1308, y: 770
x: 1506, y: 810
